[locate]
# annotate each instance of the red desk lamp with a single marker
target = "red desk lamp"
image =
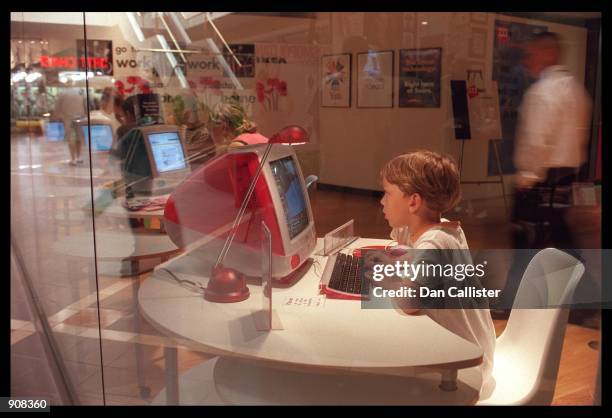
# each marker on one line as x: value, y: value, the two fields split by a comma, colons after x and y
x: 227, y: 284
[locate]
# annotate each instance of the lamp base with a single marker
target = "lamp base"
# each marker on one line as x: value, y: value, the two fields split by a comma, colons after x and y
x: 226, y: 285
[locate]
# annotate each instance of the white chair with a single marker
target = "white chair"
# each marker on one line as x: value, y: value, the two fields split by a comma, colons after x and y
x: 528, y: 352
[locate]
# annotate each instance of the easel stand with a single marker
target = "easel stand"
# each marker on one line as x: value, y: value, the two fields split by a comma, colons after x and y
x: 499, y: 170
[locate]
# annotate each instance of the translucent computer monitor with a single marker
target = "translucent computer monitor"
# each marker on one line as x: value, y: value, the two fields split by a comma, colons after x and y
x: 165, y: 154
x: 55, y: 130
x: 102, y: 135
x: 204, y: 206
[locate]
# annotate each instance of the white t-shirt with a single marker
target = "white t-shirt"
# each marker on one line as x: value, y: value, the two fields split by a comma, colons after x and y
x: 554, y: 124
x: 474, y: 325
x: 70, y: 105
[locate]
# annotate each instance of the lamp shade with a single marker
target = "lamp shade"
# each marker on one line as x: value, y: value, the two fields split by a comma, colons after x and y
x: 292, y: 134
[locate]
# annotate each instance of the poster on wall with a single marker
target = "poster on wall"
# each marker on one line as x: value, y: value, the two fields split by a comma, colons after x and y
x: 419, y: 77
x: 99, y: 56
x: 511, y: 76
x: 336, y: 80
x: 375, y: 79
x: 286, y: 87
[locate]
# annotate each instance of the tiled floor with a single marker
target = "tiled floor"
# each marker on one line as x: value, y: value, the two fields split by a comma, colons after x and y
x: 132, y: 349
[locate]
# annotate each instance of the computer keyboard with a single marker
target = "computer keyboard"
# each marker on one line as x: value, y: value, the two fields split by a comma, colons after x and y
x: 342, y: 278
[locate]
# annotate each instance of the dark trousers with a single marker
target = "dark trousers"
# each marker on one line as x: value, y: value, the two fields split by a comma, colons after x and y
x: 537, y: 223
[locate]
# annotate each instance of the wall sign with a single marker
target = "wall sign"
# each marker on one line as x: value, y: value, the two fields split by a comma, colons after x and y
x: 419, y: 77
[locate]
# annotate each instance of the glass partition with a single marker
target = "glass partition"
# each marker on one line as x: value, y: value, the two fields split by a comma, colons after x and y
x: 148, y: 148
x: 51, y: 228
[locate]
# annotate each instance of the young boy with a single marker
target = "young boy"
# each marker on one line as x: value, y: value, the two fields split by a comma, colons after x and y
x: 419, y: 187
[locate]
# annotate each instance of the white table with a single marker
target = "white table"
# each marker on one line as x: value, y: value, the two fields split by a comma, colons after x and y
x: 116, y: 245
x: 339, y: 338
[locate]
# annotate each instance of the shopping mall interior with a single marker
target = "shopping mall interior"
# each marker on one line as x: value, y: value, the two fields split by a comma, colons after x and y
x: 108, y: 299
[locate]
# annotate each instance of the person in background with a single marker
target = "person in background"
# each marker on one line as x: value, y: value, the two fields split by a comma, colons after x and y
x: 128, y: 116
x: 231, y: 128
x: 551, y: 139
x: 190, y: 116
x: 108, y: 106
x: 71, y: 105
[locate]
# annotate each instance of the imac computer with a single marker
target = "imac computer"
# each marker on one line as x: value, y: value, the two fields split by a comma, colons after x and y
x: 202, y: 209
x: 156, y: 152
x: 102, y: 135
x: 55, y: 130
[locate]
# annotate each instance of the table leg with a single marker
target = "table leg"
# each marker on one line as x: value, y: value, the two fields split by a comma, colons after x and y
x: 134, y: 267
x: 172, y: 382
x: 449, y: 380
x: 145, y: 391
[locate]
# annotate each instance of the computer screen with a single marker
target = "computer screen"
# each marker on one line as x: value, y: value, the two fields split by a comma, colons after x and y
x: 167, y: 151
x: 55, y: 131
x: 291, y: 194
x: 102, y: 137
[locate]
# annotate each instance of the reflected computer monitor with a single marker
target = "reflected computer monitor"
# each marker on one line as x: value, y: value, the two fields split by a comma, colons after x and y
x: 102, y: 135
x: 204, y: 206
x: 55, y: 131
x: 165, y: 158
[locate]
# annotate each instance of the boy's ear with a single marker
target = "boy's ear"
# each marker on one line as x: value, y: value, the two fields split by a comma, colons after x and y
x: 415, y: 202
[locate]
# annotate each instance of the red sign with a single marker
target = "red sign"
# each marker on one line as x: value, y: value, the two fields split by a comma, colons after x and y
x: 502, y: 34
x: 472, y: 91
x: 72, y: 62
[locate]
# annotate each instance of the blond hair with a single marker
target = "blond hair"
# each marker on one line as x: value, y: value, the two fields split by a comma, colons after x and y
x: 234, y: 116
x: 433, y: 176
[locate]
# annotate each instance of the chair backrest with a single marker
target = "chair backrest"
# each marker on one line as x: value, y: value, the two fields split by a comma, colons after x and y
x: 533, y: 337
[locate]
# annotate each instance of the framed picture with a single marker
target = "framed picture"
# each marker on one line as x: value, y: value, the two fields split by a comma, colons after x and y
x: 419, y: 77
x: 336, y: 80
x: 375, y: 79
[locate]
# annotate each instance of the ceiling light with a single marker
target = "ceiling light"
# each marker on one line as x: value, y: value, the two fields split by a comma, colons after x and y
x: 32, y: 77
x: 16, y: 78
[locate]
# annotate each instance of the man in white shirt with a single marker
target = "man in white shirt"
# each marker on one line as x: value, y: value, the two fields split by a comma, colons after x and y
x: 555, y: 116
x: 71, y: 105
x: 552, y: 135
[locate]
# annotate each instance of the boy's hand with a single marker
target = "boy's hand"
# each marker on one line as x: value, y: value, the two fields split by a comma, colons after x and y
x: 370, y: 258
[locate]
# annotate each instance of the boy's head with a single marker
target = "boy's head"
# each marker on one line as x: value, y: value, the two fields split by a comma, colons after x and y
x: 420, y: 184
